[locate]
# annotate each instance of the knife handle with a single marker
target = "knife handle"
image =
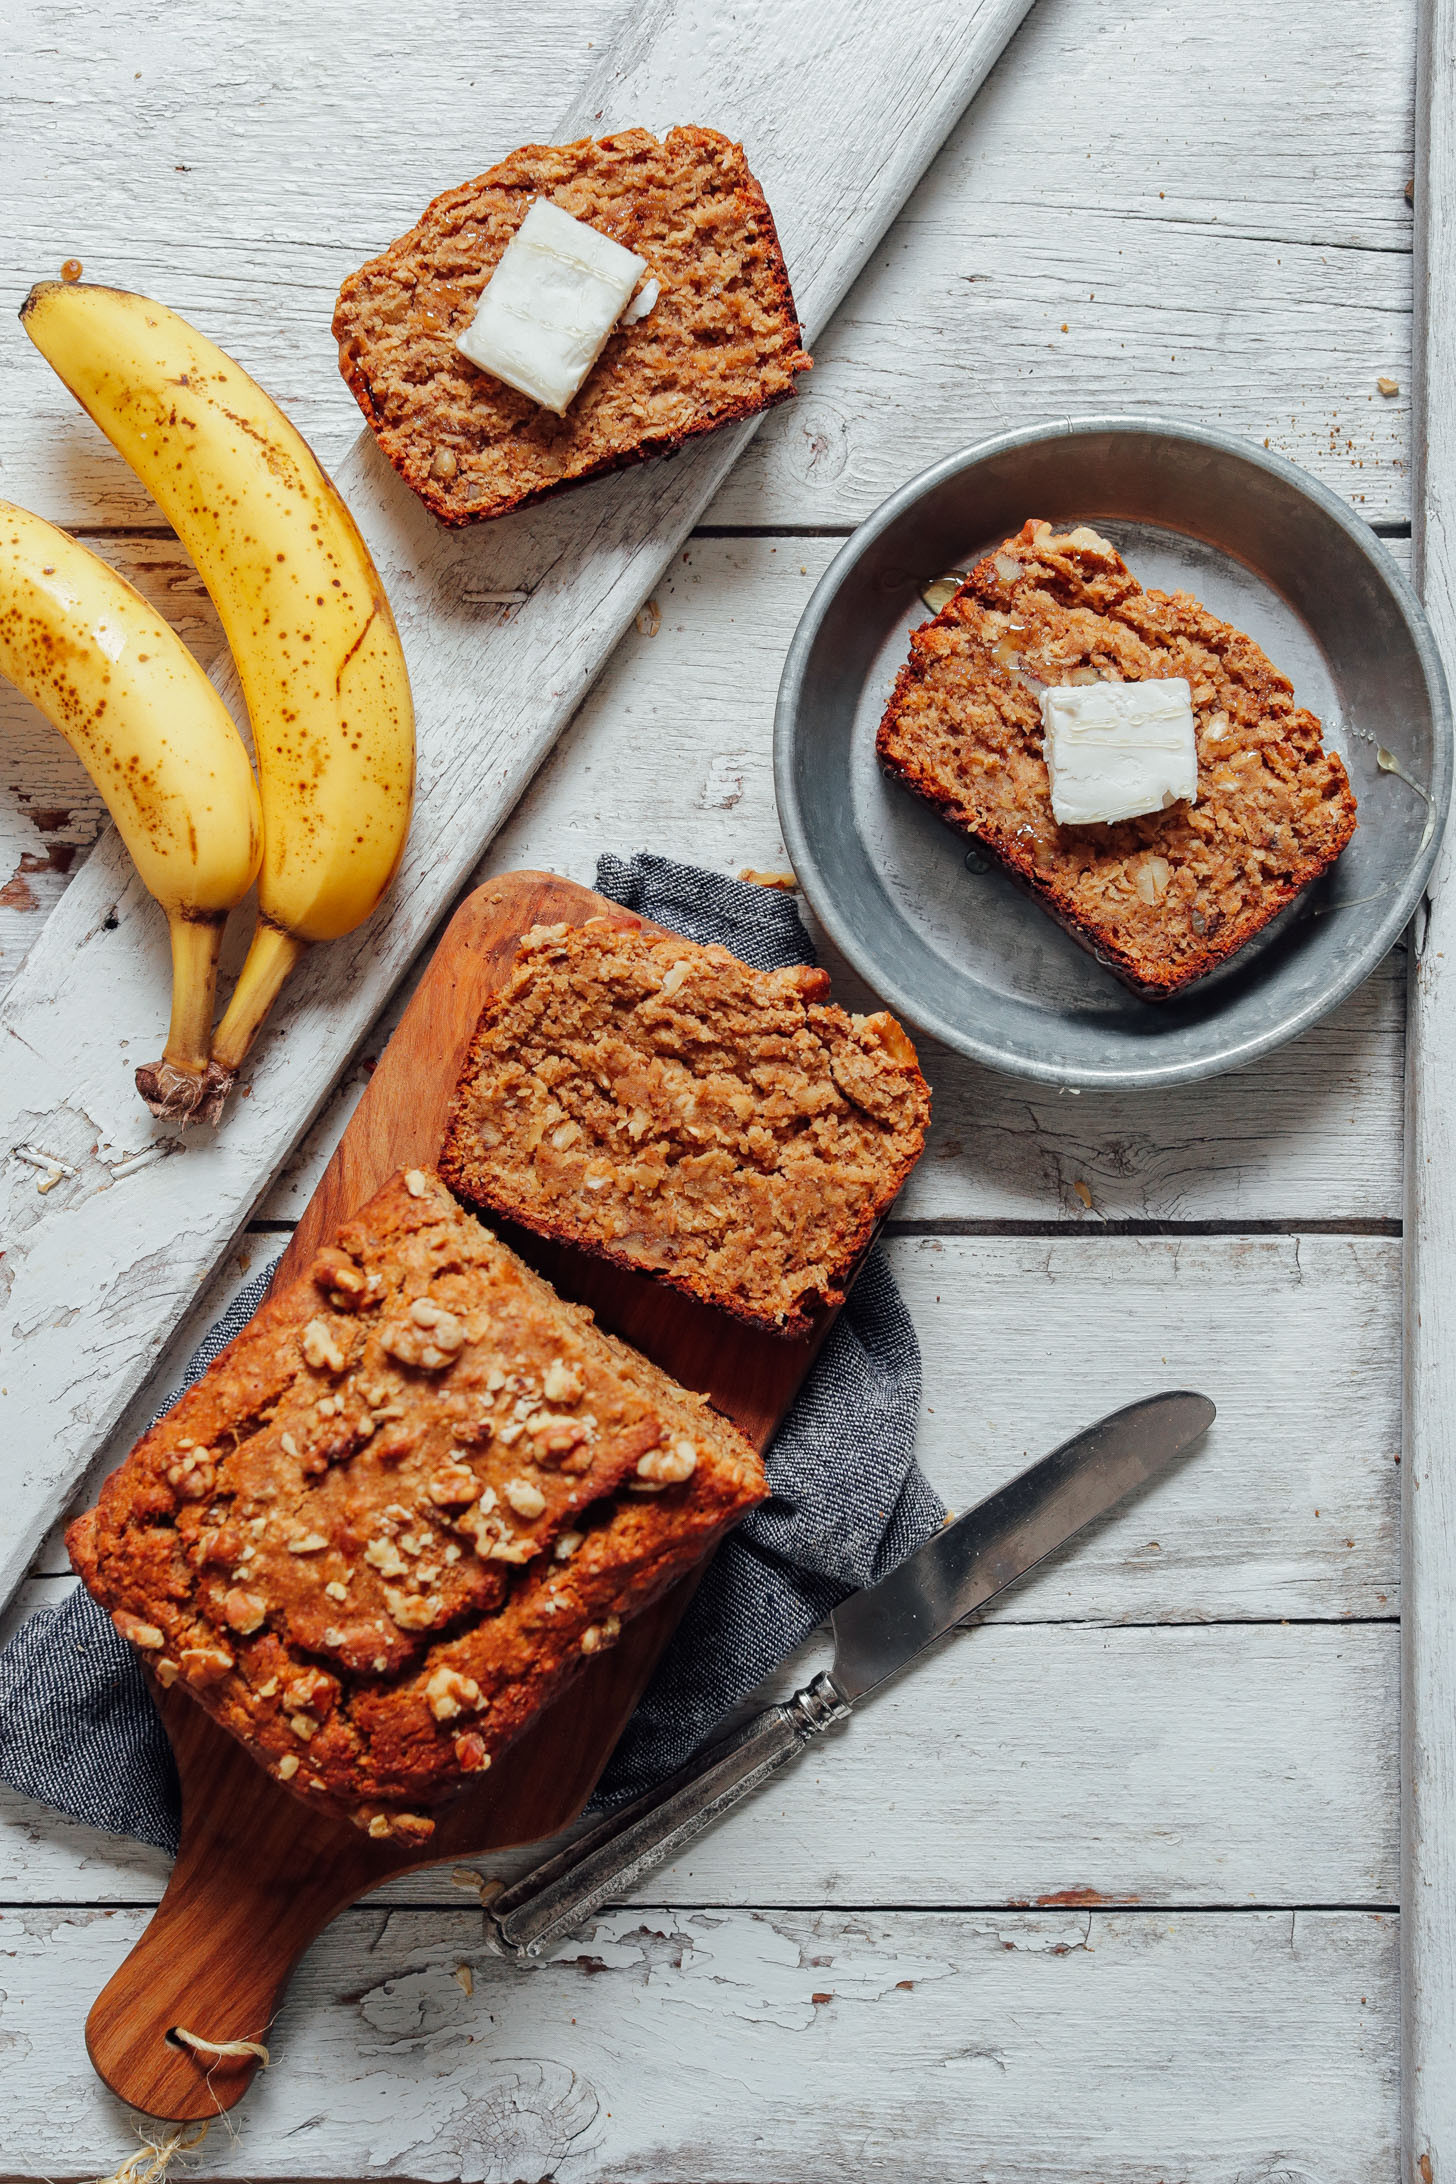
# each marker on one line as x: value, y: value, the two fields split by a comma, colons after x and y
x: 559, y: 1895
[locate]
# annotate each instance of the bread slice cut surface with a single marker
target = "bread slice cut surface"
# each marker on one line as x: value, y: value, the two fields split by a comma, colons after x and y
x: 719, y: 342
x: 666, y: 1106
x: 1164, y: 898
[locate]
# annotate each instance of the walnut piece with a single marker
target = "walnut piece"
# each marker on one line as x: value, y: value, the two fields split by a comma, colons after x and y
x: 449, y: 1693
x: 321, y: 1351
x: 668, y: 1466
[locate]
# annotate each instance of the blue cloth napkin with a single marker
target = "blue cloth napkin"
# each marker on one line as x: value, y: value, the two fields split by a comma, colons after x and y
x: 78, y: 1729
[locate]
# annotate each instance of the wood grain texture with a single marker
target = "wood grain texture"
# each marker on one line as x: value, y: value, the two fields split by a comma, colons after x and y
x: 1428, y: 1885
x: 1234, y: 181
x: 487, y: 714
x: 1293, y: 1508
x: 1216, y: 220
x: 1067, y: 2046
x: 1310, y: 1133
x: 259, y: 1872
x: 1206, y: 1767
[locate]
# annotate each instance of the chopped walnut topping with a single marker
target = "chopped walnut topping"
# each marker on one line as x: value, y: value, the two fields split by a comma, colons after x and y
x: 471, y: 1754
x: 562, y: 1382
x: 303, y: 1726
x: 412, y: 1827
x: 269, y: 1689
x: 598, y: 1636
x: 194, y: 1474
x: 416, y: 1182
x: 455, y: 1486
x: 410, y: 1612
x: 555, y: 1435
x: 306, y: 1543
x: 527, y: 1500
x: 384, y: 1556
x: 167, y: 1673
x: 449, y: 1693
x: 567, y: 1545
x: 244, y: 1611
x: 313, y: 1688
x: 396, y: 1443
x: 321, y: 1351
x: 335, y: 1272
x: 287, y: 1767
x: 668, y: 1466
x: 379, y: 1825
x: 205, y: 1664
x: 136, y: 1631
x: 429, y: 1342
x: 336, y: 1590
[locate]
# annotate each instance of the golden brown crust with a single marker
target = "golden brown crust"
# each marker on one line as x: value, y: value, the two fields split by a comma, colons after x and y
x: 1163, y: 899
x: 404, y: 1508
x: 722, y: 342
x: 669, y: 1109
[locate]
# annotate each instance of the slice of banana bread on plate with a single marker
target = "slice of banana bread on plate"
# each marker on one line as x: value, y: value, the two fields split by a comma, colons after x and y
x: 710, y: 336
x: 667, y: 1107
x: 403, y: 1509
x: 1163, y: 898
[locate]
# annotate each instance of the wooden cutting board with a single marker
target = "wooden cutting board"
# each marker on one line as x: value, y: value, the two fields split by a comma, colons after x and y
x: 259, y: 1874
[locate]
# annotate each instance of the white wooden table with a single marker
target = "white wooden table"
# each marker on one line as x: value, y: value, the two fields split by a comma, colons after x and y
x: 1108, y: 1892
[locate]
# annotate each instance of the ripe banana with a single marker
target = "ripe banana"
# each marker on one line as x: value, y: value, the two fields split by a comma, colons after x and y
x: 155, y: 738
x: 317, y: 651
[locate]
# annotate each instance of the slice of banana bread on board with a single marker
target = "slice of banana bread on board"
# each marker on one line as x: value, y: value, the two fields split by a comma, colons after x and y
x: 719, y: 342
x: 1164, y: 898
x: 404, y: 1507
x: 665, y: 1106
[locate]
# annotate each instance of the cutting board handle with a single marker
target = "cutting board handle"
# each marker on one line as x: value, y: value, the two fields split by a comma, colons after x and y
x: 215, y: 1960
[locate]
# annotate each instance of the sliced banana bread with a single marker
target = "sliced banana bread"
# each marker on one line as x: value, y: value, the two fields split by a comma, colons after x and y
x: 720, y: 341
x: 1164, y: 898
x: 403, y: 1508
x: 669, y: 1108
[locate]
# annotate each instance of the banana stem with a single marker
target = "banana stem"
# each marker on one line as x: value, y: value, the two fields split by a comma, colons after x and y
x: 196, y: 945
x: 269, y: 961
x: 173, y: 1087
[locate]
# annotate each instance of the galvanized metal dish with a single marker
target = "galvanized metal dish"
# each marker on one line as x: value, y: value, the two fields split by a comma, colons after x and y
x: 947, y: 939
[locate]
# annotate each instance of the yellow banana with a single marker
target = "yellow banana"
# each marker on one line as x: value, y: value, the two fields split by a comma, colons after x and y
x: 155, y: 738
x: 317, y: 651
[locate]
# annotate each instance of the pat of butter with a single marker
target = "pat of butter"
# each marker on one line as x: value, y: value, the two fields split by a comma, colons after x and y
x: 550, y: 304
x: 1115, y: 750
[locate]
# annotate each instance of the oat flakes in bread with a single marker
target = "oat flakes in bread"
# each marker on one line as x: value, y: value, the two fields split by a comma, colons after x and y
x: 1163, y: 899
x: 403, y: 1509
x: 721, y: 342
x: 669, y: 1108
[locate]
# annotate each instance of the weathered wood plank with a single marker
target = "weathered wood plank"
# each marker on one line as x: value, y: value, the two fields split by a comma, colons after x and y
x: 1428, y: 1960
x: 1071, y: 2047
x: 1290, y: 1507
x: 1237, y: 1764
x: 91, y: 991
x: 1312, y: 1133
x: 1216, y: 220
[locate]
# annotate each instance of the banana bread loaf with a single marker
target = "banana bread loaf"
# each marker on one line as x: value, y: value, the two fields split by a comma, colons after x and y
x: 720, y: 340
x: 405, y: 1507
x: 1164, y: 898
x: 667, y: 1107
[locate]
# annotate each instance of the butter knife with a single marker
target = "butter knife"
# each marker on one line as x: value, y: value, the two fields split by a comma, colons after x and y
x: 877, y: 1632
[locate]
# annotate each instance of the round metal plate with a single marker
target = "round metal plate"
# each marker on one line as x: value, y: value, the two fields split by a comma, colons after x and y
x: 947, y: 939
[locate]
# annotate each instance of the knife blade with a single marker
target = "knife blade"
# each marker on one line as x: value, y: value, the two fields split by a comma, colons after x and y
x: 877, y: 1632
x: 965, y: 1564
